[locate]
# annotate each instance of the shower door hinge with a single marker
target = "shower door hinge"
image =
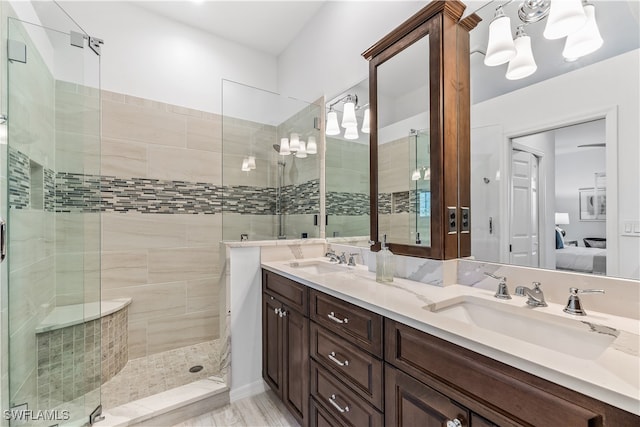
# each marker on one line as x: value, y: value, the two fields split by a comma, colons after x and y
x: 16, y: 51
x: 96, y: 415
x: 316, y: 123
x: 77, y: 40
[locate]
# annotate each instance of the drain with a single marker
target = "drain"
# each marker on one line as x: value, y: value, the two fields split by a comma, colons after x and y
x: 195, y: 369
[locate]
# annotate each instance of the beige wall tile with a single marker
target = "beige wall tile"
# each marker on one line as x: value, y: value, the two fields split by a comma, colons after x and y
x: 204, y: 134
x: 203, y: 230
x: 166, y: 265
x: 137, y: 339
x: 143, y: 124
x: 124, y: 158
x: 122, y: 269
x: 132, y: 231
x: 184, y: 165
x: 32, y: 289
x: 258, y: 227
x: 31, y: 238
x: 112, y: 96
x: 203, y: 295
x: 184, y: 111
x: 151, y: 301
x: 178, y: 331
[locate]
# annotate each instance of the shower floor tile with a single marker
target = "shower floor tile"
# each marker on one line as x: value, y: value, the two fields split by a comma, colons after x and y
x: 160, y: 372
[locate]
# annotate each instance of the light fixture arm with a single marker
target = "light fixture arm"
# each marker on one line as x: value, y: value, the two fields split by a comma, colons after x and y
x: 346, y: 98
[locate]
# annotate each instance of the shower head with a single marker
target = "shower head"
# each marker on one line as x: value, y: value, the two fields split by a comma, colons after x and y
x: 486, y: 180
x: 276, y: 147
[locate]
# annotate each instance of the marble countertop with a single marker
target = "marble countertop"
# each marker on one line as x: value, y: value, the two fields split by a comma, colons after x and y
x: 611, y: 375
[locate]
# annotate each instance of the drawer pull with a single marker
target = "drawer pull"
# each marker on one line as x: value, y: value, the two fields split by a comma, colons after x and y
x: 332, y: 356
x: 333, y: 317
x: 277, y: 311
x: 283, y: 313
x: 454, y: 423
x: 332, y: 400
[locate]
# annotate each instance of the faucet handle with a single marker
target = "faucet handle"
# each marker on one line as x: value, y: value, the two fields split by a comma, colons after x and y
x: 574, y: 306
x: 352, y: 260
x: 503, y: 290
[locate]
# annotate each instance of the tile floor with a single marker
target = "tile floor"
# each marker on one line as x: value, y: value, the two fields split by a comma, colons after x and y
x: 156, y: 373
x: 262, y: 410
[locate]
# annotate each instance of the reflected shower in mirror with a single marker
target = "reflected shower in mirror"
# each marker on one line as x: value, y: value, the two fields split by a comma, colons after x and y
x: 347, y: 166
x: 561, y: 143
x: 404, y: 168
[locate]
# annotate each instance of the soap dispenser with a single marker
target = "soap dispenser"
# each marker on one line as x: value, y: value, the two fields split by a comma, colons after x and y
x: 384, y: 263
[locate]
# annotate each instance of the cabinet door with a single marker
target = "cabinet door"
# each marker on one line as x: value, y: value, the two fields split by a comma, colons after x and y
x: 295, y: 393
x: 409, y: 403
x: 271, y: 343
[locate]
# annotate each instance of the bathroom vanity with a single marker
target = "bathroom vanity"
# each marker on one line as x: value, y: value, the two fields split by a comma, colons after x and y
x: 343, y: 350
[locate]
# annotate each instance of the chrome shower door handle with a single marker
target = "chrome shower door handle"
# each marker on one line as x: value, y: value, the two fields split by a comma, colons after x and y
x: 3, y: 239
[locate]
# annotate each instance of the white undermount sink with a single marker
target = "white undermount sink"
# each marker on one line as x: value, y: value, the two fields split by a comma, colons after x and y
x: 567, y: 336
x: 317, y: 267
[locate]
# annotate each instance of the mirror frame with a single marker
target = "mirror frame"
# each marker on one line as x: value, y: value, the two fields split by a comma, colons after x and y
x: 449, y: 122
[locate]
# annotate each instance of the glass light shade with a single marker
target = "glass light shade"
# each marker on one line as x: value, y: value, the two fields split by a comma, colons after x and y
x: 523, y: 64
x: 332, y: 123
x: 415, y: 175
x: 349, y: 115
x: 302, y: 151
x: 427, y: 174
x: 252, y: 162
x: 284, y: 147
x: 294, y: 142
x: 500, y: 48
x: 366, y: 127
x: 245, y: 165
x: 312, y: 147
x: 586, y: 40
x: 562, y: 218
x: 565, y: 17
x: 351, y: 132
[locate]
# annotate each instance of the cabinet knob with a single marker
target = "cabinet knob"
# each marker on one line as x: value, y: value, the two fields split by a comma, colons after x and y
x: 332, y: 400
x: 454, y: 423
x: 277, y: 311
x: 283, y: 313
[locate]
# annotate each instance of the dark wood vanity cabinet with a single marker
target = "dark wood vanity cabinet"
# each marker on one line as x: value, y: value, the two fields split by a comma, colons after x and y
x: 285, y: 342
x: 347, y: 366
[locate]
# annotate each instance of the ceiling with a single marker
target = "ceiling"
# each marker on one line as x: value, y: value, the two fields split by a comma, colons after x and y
x: 268, y: 26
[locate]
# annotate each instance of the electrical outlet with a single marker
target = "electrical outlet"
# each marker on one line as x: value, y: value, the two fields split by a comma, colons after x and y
x: 451, y: 217
x: 465, y: 221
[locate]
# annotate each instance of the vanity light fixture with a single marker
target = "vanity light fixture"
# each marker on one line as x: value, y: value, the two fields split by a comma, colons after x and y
x: 573, y: 19
x: 302, y: 150
x: 415, y: 175
x: 349, y: 119
x: 312, y: 147
x: 285, y: 150
x: 366, y: 127
x: 251, y: 162
x: 245, y: 165
x: 332, y: 122
x: 418, y: 173
x: 523, y: 64
x: 294, y: 142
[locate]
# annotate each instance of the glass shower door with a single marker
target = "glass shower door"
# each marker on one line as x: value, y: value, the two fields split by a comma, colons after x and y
x: 53, y: 262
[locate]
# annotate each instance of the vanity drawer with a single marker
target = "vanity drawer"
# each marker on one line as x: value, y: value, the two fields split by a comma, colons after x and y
x: 340, y: 401
x: 490, y: 388
x: 292, y: 294
x: 355, y: 324
x: 359, y: 369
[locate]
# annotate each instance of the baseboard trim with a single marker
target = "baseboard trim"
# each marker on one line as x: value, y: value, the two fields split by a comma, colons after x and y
x: 248, y: 390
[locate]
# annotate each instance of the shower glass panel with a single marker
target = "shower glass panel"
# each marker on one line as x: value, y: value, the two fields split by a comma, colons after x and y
x: 53, y: 262
x: 268, y: 194
x: 420, y: 194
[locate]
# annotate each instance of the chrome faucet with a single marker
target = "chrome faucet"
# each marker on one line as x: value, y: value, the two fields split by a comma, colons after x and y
x: 573, y: 304
x: 332, y: 255
x: 535, y: 295
x: 342, y: 259
x: 503, y: 290
x: 352, y: 260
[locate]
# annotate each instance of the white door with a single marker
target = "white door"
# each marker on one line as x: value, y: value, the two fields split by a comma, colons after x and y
x: 524, y: 209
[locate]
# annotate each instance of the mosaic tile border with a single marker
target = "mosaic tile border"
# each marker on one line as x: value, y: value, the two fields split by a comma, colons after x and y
x: 348, y: 204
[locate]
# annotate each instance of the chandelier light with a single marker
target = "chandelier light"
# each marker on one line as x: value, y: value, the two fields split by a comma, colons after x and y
x: 302, y: 150
x: 332, y: 123
x: 349, y: 118
x: 285, y: 150
x: 366, y: 127
x: 294, y: 142
x: 351, y: 132
x: 565, y: 17
x: 312, y: 147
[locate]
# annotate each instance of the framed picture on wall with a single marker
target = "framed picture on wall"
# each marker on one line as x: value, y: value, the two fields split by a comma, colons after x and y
x: 593, y: 204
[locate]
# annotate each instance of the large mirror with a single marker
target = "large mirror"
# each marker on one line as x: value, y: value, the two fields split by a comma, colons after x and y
x: 554, y: 166
x: 347, y: 166
x: 419, y: 134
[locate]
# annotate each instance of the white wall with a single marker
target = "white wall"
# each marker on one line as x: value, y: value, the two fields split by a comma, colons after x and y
x: 326, y: 58
x: 149, y: 56
x: 576, y: 170
x: 610, y: 85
